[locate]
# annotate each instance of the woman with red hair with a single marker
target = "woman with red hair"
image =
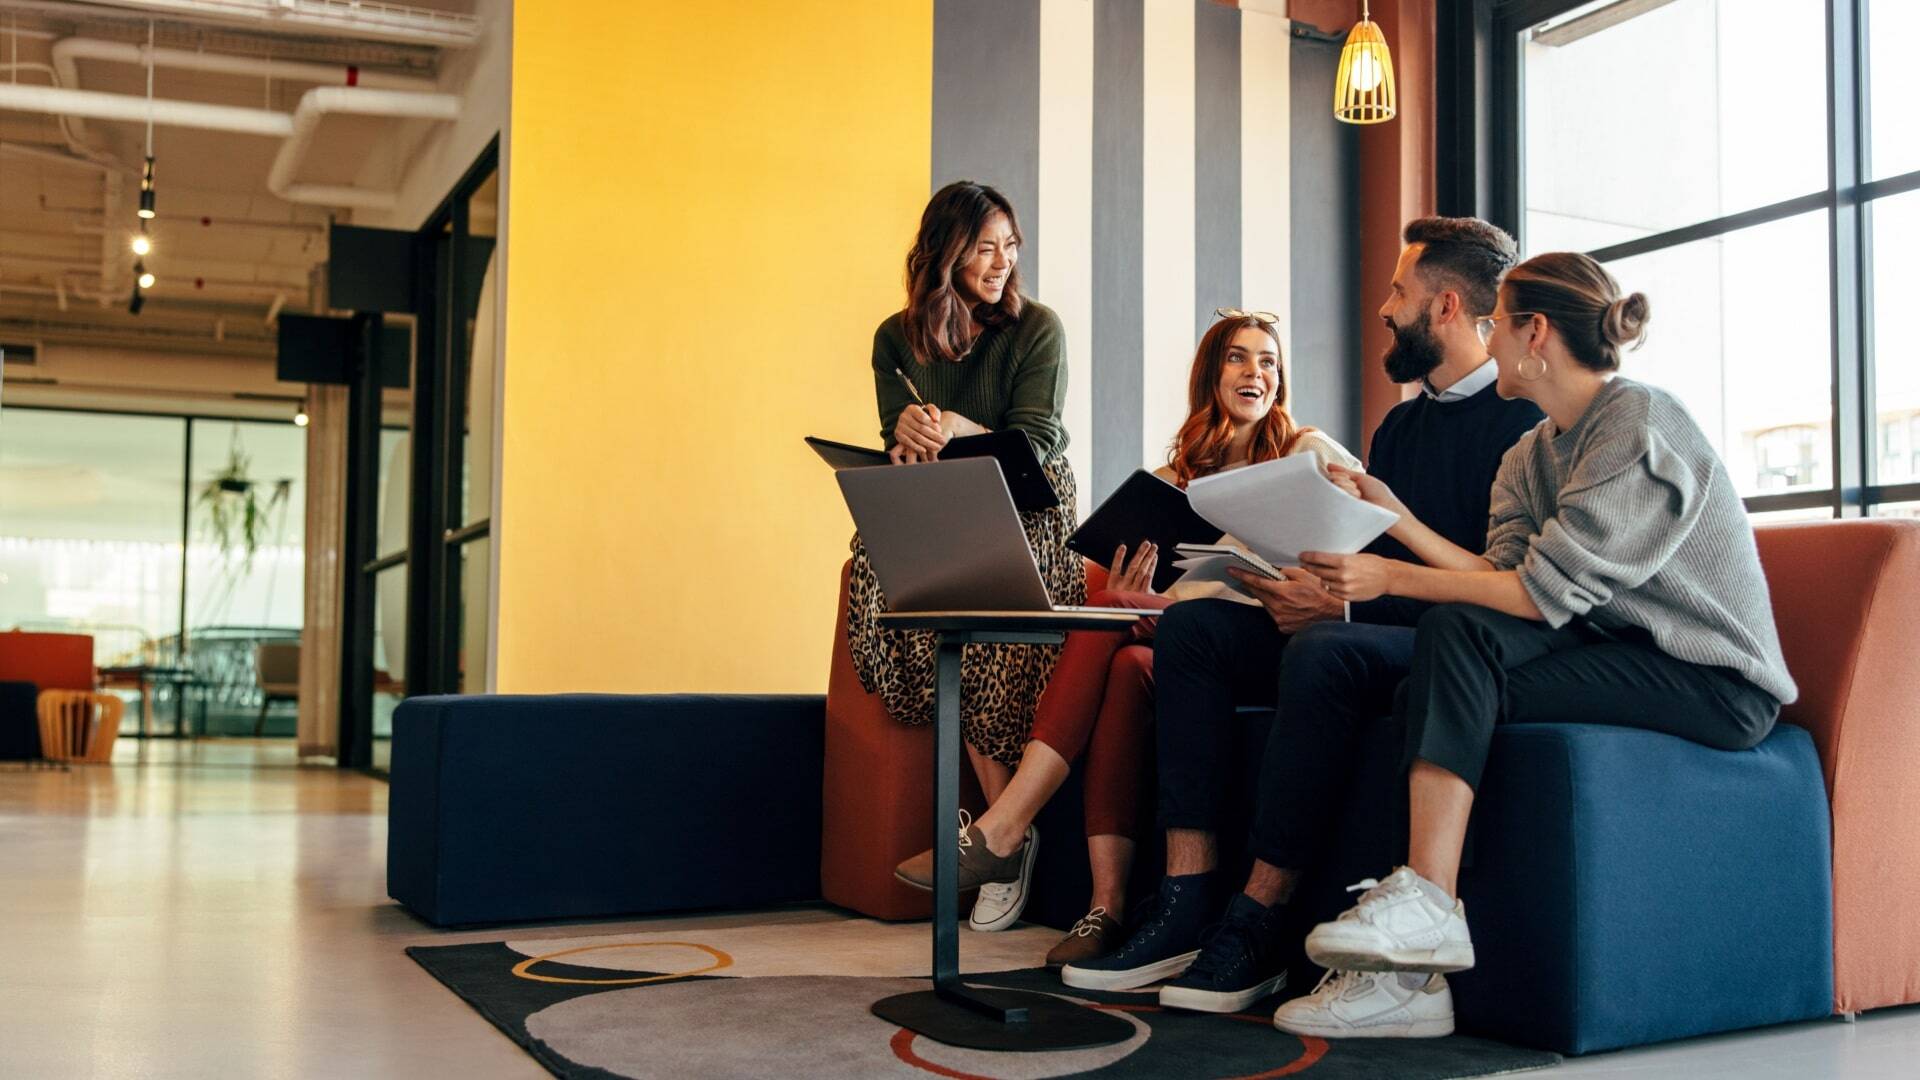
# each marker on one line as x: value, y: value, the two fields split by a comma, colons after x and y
x: 1099, y: 700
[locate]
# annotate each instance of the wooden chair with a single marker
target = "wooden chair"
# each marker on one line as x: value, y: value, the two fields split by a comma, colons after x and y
x: 276, y: 668
x: 79, y: 725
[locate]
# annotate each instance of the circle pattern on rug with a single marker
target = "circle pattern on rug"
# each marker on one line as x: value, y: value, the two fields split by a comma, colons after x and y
x: 790, y: 1026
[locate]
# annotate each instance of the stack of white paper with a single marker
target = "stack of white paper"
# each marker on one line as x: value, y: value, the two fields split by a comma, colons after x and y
x: 1279, y: 509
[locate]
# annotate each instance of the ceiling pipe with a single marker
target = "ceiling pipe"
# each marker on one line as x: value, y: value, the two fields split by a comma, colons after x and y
x: 333, y: 18
x: 67, y: 51
x: 54, y: 157
x: 298, y: 129
x: 103, y: 106
x: 323, y: 101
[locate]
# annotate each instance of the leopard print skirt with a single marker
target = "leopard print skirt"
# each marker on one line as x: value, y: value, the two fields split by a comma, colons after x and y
x: 999, y: 684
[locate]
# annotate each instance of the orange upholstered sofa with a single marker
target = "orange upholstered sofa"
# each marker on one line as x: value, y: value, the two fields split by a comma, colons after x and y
x: 48, y: 661
x: 1846, y: 596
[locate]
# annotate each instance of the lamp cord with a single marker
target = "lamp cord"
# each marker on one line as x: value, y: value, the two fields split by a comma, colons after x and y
x: 149, y: 87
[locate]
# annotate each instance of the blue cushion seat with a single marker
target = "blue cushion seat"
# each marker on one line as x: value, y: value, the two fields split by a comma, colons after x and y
x: 508, y: 808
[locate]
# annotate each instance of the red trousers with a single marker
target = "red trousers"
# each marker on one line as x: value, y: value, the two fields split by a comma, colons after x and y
x: 1100, y: 702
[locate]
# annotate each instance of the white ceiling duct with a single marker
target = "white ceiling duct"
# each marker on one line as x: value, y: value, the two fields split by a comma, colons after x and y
x: 298, y: 129
x: 361, y: 19
x: 322, y: 101
x: 68, y: 52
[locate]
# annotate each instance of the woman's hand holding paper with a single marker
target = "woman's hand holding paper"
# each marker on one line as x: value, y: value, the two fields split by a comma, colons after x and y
x: 1352, y: 578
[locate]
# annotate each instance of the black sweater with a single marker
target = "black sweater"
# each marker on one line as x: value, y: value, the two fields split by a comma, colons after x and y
x: 1440, y: 458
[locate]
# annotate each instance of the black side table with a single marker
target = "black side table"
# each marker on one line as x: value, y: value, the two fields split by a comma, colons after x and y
x: 952, y: 1012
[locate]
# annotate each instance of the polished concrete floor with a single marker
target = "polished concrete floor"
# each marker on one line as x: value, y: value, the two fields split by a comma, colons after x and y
x: 212, y: 910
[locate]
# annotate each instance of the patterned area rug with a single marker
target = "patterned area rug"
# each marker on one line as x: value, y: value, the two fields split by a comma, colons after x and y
x: 792, y: 1001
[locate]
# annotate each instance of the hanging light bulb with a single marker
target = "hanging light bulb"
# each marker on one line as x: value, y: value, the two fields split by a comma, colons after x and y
x: 143, y: 275
x: 1366, y: 72
x: 146, y: 191
x: 142, y: 245
x: 300, y: 418
x: 1363, y: 91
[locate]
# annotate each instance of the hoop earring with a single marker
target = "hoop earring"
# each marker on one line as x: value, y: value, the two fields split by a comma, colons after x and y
x: 1536, y: 376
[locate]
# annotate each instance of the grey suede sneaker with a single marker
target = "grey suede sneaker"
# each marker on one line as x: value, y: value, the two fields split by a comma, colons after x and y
x: 977, y: 865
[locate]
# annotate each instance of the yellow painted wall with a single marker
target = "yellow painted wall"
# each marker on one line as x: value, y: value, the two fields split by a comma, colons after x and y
x: 710, y: 207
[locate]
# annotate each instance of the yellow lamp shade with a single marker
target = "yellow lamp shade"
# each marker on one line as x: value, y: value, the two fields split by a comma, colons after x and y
x: 1363, y: 90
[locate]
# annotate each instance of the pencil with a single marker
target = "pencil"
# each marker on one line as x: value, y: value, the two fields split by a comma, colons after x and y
x: 911, y: 389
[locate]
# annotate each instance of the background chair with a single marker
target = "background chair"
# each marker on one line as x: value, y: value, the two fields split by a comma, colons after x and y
x: 276, y: 671
x: 79, y: 725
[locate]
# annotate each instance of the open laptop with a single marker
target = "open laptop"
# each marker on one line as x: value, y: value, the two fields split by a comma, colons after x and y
x: 944, y: 537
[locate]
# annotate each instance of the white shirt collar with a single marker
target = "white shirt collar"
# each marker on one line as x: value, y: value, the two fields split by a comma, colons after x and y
x: 1470, y: 384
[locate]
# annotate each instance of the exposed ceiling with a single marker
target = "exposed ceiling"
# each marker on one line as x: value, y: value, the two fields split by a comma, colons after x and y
x: 227, y: 254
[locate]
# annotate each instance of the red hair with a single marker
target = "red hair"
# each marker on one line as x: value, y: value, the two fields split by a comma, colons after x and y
x: 1200, y: 449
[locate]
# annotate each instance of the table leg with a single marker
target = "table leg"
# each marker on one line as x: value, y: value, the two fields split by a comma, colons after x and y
x: 146, y: 707
x: 954, y: 1013
x: 946, y: 855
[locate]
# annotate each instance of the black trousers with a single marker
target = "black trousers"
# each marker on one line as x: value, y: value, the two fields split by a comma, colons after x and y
x: 1337, y: 683
x: 1209, y: 656
x: 1474, y: 668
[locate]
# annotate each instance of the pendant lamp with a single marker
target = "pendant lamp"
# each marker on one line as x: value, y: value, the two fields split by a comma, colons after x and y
x: 1363, y: 90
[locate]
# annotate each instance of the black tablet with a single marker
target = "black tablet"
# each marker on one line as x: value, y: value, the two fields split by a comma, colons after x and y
x: 1026, y: 482
x: 1144, y: 507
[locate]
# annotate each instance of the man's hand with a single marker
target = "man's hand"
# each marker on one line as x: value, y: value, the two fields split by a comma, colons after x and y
x: 1294, y: 604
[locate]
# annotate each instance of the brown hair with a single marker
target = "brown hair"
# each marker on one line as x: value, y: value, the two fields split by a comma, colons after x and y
x: 1200, y: 449
x: 939, y: 321
x: 1464, y: 254
x: 1583, y: 302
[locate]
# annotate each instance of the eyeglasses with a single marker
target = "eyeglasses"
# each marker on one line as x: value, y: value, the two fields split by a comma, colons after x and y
x: 1267, y: 317
x: 1484, y: 325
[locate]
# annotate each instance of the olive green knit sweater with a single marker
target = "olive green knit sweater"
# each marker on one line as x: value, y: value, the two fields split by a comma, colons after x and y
x: 1015, y: 377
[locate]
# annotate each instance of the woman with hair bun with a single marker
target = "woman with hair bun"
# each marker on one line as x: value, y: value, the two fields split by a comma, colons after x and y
x: 1620, y: 585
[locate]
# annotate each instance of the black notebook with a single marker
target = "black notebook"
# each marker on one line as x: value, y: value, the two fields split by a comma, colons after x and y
x: 1026, y: 482
x: 1145, y: 507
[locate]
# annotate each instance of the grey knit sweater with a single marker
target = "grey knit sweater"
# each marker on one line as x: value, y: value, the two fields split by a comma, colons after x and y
x: 1629, y: 518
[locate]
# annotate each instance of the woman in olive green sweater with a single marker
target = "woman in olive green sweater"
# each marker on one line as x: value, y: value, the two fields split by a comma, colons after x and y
x: 984, y: 358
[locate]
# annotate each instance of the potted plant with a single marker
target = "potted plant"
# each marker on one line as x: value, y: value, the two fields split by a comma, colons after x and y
x: 238, y: 515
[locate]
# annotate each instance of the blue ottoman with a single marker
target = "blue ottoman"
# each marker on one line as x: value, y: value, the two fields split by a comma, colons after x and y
x: 1629, y: 887
x: 1623, y: 887
x: 515, y: 808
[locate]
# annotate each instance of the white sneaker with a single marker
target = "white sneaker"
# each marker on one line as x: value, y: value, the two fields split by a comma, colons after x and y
x: 1371, y: 1004
x: 999, y: 906
x: 1400, y: 924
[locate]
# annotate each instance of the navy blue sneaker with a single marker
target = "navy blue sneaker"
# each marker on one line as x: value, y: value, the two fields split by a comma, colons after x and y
x: 1240, y: 961
x: 1160, y: 947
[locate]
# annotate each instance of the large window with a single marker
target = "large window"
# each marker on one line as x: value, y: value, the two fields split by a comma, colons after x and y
x: 170, y: 540
x: 1751, y: 166
x: 90, y: 527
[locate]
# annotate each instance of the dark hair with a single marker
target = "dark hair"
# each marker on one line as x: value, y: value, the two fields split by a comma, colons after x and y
x: 939, y: 321
x: 1464, y: 254
x: 1583, y: 302
x: 1200, y: 449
